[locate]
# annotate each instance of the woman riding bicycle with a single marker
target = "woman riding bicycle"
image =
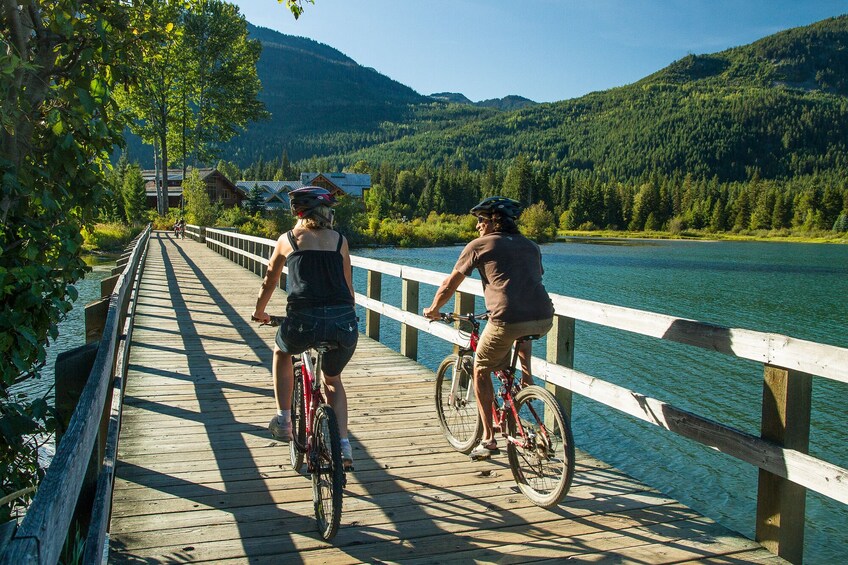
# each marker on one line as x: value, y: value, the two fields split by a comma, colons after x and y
x: 320, y: 306
x: 510, y: 266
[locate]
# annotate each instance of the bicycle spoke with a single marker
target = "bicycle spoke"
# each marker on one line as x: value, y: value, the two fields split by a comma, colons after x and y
x: 456, y: 405
x: 542, y: 457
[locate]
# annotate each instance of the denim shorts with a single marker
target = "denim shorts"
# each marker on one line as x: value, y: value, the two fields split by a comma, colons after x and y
x: 303, y: 328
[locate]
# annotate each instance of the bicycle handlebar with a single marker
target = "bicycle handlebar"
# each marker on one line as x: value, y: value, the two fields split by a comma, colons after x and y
x: 273, y: 322
x: 454, y: 316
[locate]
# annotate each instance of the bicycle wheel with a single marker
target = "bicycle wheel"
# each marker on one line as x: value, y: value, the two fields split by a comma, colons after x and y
x: 544, y: 467
x: 297, y: 446
x: 457, y: 412
x: 328, y: 474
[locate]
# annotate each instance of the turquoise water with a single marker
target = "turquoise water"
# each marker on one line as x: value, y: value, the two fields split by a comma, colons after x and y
x: 797, y: 290
x: 72, y: 328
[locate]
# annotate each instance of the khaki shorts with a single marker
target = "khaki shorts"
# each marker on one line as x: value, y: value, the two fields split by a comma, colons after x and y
x: 495, y: 346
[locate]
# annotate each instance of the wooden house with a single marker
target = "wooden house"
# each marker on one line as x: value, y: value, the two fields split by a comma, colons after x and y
x: 351, y: 184
x: 220, y: 188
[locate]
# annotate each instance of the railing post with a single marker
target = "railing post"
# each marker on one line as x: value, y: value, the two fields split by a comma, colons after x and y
x: 780, y: 502
x: 560, y: 350
x: 372, y: 317
x: 408, y: 334
x: 463, y: 303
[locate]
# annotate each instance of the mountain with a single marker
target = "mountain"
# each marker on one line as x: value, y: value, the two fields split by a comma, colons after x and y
x: 451, y: 97
x: 778, y: 106
x: 511, y: 102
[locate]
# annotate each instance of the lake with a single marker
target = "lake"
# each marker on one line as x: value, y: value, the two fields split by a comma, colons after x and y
x: 793, y: 289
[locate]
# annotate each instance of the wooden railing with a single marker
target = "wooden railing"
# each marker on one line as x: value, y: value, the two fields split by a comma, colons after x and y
x: 41, y: 535
x: 780, y: 452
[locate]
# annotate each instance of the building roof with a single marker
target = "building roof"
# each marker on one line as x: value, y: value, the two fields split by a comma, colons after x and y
x: 349, y: 183
x: 275, y: 192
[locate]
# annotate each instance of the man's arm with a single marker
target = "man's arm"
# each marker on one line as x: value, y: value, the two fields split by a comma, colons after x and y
x: 445, y: 292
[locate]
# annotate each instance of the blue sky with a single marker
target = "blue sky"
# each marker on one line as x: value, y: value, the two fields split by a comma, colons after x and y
x: 545, y: 50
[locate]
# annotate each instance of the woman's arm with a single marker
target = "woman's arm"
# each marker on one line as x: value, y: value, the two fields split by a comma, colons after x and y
x: 348, y: 268
x: 272, y: 278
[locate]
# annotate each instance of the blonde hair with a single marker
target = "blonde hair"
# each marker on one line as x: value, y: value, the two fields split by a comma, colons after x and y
x: 320, y: 217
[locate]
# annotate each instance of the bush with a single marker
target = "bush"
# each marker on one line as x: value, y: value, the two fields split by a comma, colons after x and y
x: 111, y: 237
x: 537, y: 223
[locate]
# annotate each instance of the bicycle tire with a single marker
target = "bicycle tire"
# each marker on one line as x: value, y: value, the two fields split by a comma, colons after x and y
x: 297, y: 446
x: 544, y: 470
x: 328, y: 475
x: 460, y: 420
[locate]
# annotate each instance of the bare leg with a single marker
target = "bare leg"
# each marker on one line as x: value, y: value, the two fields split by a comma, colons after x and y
x: 485, y: 398
x: 283, y: 379
x: 525, y: 352
x: 337, y: 397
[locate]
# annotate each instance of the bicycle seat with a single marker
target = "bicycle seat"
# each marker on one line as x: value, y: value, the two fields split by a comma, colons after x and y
x: 528, y: 337
x: 325, y: 346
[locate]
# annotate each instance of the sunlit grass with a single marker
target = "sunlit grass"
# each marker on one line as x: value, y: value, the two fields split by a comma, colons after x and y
x: 108, y: 237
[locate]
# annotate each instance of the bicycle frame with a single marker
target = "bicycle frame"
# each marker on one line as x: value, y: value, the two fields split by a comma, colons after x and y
x: 313, y: 397
x: 506, y: 377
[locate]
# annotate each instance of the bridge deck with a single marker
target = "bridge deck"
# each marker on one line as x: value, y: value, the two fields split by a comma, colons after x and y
x: 200, y: 479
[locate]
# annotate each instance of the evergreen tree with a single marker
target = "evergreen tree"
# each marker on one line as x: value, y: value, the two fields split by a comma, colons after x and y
x: 134, y: 195
x: 518, y: 183
x: 255, y: 200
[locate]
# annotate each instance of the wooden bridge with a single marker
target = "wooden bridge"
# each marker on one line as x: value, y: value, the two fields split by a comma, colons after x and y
x: 197, y: 476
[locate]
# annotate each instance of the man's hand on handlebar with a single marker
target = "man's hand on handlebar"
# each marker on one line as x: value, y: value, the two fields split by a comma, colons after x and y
x: 432, y: 314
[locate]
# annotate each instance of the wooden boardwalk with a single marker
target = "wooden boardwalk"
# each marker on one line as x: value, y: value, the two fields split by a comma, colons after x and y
x: 200, y: 479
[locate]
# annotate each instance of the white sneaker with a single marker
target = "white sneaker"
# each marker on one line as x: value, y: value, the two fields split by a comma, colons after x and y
x: 484, y: 450
x: 279, y: 430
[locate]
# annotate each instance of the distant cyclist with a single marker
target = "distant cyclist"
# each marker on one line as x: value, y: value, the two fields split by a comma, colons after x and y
x: 320, y: 306
x: 510, y: 266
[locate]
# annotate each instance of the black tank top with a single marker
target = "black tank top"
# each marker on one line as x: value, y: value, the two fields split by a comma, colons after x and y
x: 316, y: 277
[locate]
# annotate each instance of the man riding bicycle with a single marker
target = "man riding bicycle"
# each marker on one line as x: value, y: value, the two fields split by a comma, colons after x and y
x: 320, y: 306
x: 510, y: 266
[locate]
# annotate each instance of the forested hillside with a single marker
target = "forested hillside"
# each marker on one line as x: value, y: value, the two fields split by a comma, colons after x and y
x: 777, y: 106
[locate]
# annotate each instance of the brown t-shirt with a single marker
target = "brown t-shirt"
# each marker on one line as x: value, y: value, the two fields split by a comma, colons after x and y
x: 510, y: 266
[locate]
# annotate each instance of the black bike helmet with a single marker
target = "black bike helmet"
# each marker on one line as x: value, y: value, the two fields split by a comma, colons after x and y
x: 506, y: 206
x: 304, y: 200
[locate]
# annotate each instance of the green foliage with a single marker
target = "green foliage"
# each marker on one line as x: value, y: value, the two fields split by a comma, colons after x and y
x: 198, y: 206
x: 74, y: 547
x: 255, y: 201
x: 134, y: 195
x: 537, y: 223
x: 196, y: 86
x: 268, y: 224
x: 436, y: 229
x: 110, y: 237
x: 59, y: 124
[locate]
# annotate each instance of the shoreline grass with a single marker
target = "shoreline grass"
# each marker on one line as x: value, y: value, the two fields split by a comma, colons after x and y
x: 692, y: 235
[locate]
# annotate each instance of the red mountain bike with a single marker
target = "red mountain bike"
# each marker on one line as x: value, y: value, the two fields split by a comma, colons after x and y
x: 315, y: 437
x: 540, y: 446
